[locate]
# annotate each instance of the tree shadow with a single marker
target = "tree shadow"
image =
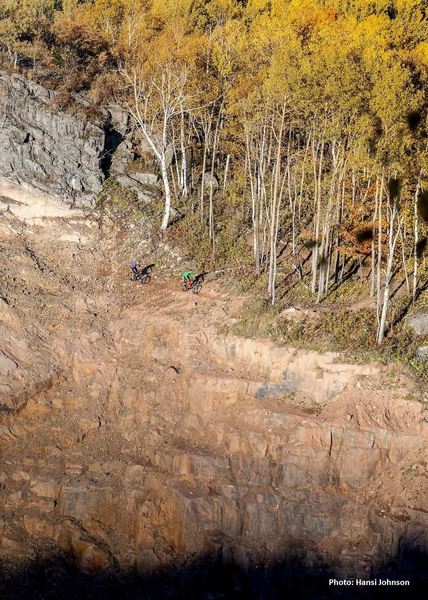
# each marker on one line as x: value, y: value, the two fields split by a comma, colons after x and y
x: 347, y: 274
x: 405, y: 309
x: 148, y: 268
x: 200, y: 277
x: 209, y: 577
x: 113, y: 139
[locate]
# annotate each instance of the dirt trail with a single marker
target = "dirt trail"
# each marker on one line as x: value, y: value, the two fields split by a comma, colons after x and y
x: 134, y: 433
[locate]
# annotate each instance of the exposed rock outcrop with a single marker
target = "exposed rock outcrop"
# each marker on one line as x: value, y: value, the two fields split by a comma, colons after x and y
x: 53, y: 151
x: 66, y: 154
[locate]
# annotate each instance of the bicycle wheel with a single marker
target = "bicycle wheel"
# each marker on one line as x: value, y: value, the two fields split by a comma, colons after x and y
x: 197, y: 288
x: 146, y: 279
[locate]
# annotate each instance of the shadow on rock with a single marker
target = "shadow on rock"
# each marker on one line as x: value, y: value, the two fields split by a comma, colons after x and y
x: 209, y: 578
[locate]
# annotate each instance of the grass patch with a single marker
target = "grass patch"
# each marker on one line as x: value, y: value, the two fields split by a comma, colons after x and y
x: 124, y: 204
x: 229, y: 251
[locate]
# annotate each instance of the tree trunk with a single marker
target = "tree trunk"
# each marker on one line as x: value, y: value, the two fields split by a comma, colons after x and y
x: 204, y: 166
x: 183, y: 174
x: 416, y: 235
x: 388, y: 274
x: 226, y: 172
x: 275, y: 204
x: 318, y: 193
x: 373, y: 277
x: 212, y: 174
x: 379, y: 250
x: 167, y: 192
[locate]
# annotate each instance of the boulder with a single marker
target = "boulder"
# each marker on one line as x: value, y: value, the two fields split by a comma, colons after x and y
x: 145, y: 193
x: 126, y: 182
x: 175, y: 215
x: 47, y: 488
x: 210, y: 180
x: 422, y: 353
x: 418, y: 322
x: 123, y: 155
x: 38, y: 527
x: 118, y: 118
x: 145, y: 178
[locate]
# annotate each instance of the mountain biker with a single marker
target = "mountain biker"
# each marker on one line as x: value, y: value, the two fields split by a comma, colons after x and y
x: 135, y: 265
x: 188, y: 277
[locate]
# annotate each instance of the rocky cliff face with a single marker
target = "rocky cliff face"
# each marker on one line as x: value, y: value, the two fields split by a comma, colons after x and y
x: 135, y: 437
x: 50, y: 150
x: 67, y: 155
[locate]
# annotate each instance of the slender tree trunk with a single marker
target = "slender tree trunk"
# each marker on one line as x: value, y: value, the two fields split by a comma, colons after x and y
x: 226, y: 173
x: 274, y: 210
x: 167, y: 192
x: 379, y: 250
x: 303, y: 174
x: 416, y: 235
x: 275, y: 244
x: 255, y: 197
x: 392, y: 236
x: 292, y: 201
x: 204, y: 166
x: 318, y: 189
x: 373, y: 271
x: 183, y: 177
x: 212, y: 174
x: 207, y: 134
x: 403, y: 257
x: 174, y: 183
x: 259, y: 219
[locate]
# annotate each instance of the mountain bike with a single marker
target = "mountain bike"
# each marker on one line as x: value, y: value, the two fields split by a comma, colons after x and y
x: 194, y: 285
x: 140, y: 276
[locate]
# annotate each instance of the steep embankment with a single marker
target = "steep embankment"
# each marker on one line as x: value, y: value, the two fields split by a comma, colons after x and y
x: 135, y: 436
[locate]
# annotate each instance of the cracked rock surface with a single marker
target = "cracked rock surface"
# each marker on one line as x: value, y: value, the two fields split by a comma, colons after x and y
x: 56, y: 152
